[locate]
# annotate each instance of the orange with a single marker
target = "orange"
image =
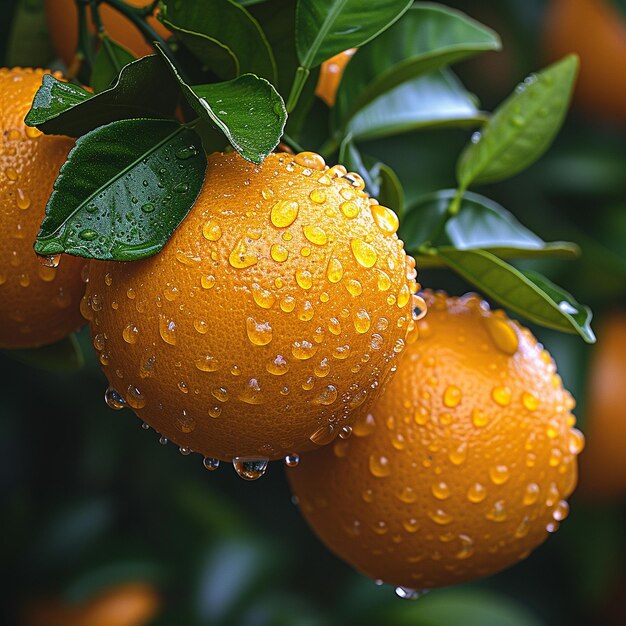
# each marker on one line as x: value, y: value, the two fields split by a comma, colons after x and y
x: 38, y: 305
x: 128, y: 604
x: 62, y: 20
x: 603, y: 464
x: 596, y: 31
x: 463, y: 465
x: 330, y: 76
x: 276, y: 310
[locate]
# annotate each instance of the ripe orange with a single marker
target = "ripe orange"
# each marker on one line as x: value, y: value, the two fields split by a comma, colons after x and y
x: 330, y: 76
x: 596, y: 31
x: 62, y: 20
x: 129, y: 604
x: 603, y: 464
x: 276, y: 310
x: 464, y: 463
x: 38, y: 305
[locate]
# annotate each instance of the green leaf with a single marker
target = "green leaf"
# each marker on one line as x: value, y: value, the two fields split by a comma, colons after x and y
x: 530, y: 295
x: 428, y: 37
x: 325, y: 28
x: 247, y: 109
x: 144, y: 88
x: 109, y: 61
x: 223, y: 35
x: 123, y: 190
x: 480, y: 223
x: 430, y: 101
x: 64, y: 356
x: 522, y: 127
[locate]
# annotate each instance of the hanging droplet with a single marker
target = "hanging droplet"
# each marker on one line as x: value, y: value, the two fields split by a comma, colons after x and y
x: 114, y: 399
x: 292, y: 460
x: 406, y: 593
x: 210, y: 464
x: 250, y: 468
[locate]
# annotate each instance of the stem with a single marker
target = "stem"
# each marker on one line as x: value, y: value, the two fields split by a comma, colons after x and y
x: 453, y: 209
x: 83, y: 49
x: 299, y: 80
x: 102, y: 34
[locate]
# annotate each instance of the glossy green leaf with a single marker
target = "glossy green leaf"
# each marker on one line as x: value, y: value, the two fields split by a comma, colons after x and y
x: 430, y: 101
x: 123, y: 190
x: 223, y: 35
x: 62, y: 356
x: 109, y: 61
x: 480, y: 223
x: 144, y: 88
x: 247, y: 109
x: 531, y: 296
x: 327, y: 27
x: 522, y: 127
x: 428, y: 37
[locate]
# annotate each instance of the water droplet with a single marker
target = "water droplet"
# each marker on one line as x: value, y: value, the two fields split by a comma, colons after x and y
x: 315, y: 235
x: 288, y: 304
x: 334, y: 272
x: 186, y: 153
x: 167, y: 330
x: 311, y: 160
x: 259, y: 333
x: 452, y: 396
x: 240, y: 258
x: 458, y: 455
x: 162, y: 440
x: 467, y: 547
x: 324, y: 435
x: 114, y: 399
x: 404, y: 295
x: 304, y: 278
x: 497, y: 512
x: 88, y: 234
x: 499, y: 474
x: 23, y: 201
x: 440, y: 490
x: 146, y: 367
x: 135, y: 398
x: 185, y: 423
x: 502, y: 333
x: 130, y: 333
x: 147, y: 207
x: 51, y: 260
x: 576, y: 441
x: 501, y: 395
x: 201, y: 326
x: 279, y: 253
x: 327, y: 396
x: 529, y: 401
x: 476, y: 137
x: 378, y: 464
x: 440, y: 517
x: 479, y: 418
x: 531, y: 494
x: 354, y: 287
x: 362, y: 321
x: 184, y: 450
x: 278, y: 366
x: 476, y: 493
x: 318, y: 196
x: 251, y: 393
x: 212, y: 231
x: 561, y: 511
x: 350, y: 209
x: 210, y: 464
x: 385, y: 219
x: 363, y: 252
x: 220, y: 393
x: 284, y: 213
x: 303, y: 350
x: 292, y: 460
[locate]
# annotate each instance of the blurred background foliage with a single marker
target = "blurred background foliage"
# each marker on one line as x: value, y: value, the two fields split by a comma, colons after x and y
x: 96, y: 514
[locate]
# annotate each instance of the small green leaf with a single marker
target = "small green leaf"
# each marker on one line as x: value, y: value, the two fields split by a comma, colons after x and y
x: 431, y: 101
x: 123, y: 190
x: 522, y: 127
x: 325, y: 28
x: 223, y: 35
x: 109, y: 61
x: 428, y: 37
x: 480, y: 223
x: 144, y: 88
x: 530, y: 295
x: 247, y: 109
x: 65, y: 356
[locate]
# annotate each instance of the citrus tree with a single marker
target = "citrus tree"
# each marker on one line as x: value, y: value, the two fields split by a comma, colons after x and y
x: 238, y: 197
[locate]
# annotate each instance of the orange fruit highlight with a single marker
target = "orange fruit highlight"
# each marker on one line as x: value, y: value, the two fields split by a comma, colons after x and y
x: 62, y: 20
x: 462, y: 466
x: 274, y: 313
x: 596, y: 31
x: 38, y: 305
x: 603, y: 463
x: 330, y: 76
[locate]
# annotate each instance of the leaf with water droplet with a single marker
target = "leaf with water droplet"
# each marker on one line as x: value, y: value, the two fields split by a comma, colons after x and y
x: 428, y: 37
x: 521, y: 128
x: 480, y: 223
x: 222, y: 35
x: 110, y: 59
x: 144, y: 88
x: 528, y: 294
x: 248, y: 110
x: 65, y: 355
x: 106, y: 169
